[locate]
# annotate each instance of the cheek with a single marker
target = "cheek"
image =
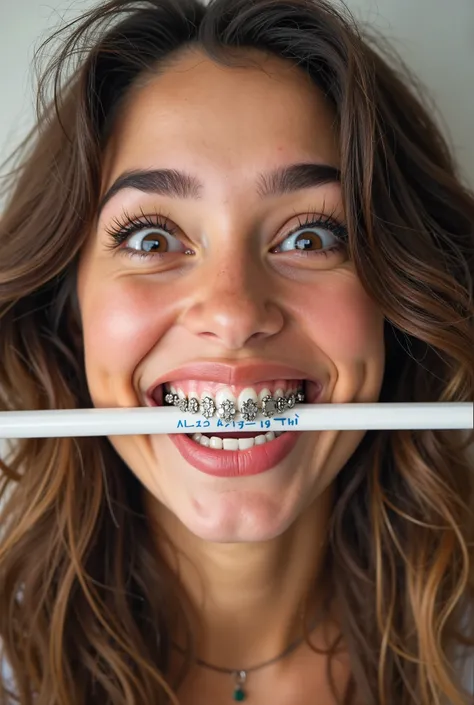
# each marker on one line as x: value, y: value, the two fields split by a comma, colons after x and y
x: 345, y: 322
x: 121, y: 322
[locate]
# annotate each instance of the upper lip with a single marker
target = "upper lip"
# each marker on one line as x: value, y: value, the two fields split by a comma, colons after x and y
x: 237, y: 374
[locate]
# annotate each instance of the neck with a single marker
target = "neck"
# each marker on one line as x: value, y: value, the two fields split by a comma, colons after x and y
x: 248, y: 599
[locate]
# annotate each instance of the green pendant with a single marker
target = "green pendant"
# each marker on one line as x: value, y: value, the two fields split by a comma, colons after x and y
x: 239, y: 693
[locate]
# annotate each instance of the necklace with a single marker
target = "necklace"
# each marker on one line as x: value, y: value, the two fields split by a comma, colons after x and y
x: 240, y: 674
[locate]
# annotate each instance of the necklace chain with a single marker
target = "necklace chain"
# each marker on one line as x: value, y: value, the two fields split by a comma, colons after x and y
x: 240, y: 674
x: 287, y: 651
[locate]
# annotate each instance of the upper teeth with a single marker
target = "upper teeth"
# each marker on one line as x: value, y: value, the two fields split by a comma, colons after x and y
x: 225, y: 405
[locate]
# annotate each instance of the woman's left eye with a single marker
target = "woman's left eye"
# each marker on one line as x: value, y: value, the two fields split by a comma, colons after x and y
x: 318, y: 238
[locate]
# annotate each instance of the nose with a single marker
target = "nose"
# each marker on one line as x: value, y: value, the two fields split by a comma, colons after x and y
x: 233, y: 306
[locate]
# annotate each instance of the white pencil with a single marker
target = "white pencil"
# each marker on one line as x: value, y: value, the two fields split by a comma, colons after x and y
x: 306, y: 417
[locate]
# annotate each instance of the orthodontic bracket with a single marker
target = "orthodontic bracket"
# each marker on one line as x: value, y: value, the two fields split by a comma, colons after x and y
x: 227, y: 410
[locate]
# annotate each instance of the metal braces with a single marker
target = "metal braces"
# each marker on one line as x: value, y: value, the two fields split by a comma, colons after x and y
x: 227, y: 411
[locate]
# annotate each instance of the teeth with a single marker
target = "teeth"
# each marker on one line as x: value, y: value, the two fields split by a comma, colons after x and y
x: 235, y: 443
x: 246, y: 394
x: 262, y: 394
x: 226, y: 405
x: 248, y: 405
x: 249, y: 410
x: 207, y: 407
x: 269, y: 406
x: 193, y: 405
x: 245, y: 443
x: 260, y: 440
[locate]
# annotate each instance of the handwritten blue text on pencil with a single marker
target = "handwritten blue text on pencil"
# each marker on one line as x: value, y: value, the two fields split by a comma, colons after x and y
x: 285, y: 421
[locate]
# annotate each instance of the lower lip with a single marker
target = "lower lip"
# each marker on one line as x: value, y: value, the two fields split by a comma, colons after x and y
x: 235, y: 463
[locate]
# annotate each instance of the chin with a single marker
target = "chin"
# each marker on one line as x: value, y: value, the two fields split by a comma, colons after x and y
x: 232, y: 519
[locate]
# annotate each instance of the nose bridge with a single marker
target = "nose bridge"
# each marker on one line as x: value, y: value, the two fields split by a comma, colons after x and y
x: 235, y: 275
x: 231, y: 301
x: 235, y: 295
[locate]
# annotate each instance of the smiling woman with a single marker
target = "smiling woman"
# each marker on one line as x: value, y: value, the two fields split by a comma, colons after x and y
x: 235, y: 209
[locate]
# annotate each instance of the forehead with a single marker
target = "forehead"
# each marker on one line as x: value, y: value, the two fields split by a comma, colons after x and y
x: 224, y: 119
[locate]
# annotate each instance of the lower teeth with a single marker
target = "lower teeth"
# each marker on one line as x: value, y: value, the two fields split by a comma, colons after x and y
x: 234, y: 443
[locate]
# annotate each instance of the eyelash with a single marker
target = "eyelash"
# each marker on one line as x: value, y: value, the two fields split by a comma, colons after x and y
x: 127, y: 226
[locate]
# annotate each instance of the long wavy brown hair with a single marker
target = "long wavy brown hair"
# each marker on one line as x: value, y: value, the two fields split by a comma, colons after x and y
x: 86, y: 603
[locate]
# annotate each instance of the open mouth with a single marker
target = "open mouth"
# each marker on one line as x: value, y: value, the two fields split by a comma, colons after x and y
x: 246, y: 404
x: 246, y: 398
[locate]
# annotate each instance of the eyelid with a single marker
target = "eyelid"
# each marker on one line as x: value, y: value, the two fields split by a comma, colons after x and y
x: 316, y: 219
x: 156, y: 219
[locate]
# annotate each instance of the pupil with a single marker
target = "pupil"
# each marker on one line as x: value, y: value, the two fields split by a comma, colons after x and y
x: 306, y: 242
x: 154, y: 243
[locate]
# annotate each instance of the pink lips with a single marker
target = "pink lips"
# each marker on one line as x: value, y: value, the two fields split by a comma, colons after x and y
x: 235, y: 463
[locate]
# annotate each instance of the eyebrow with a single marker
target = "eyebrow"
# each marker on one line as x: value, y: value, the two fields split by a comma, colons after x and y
x: 179, y: 184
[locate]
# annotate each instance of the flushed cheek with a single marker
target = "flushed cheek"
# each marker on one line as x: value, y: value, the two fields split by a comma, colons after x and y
x: 121, y: 323
x: 349, y: 324
x: 344, y: 323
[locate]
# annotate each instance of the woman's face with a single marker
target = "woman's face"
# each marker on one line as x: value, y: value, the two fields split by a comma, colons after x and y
x: 228, y: 284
